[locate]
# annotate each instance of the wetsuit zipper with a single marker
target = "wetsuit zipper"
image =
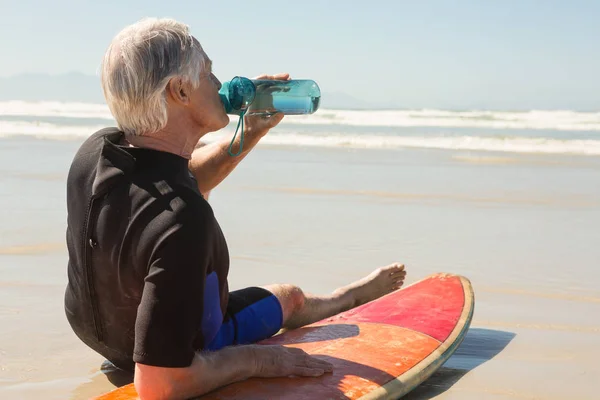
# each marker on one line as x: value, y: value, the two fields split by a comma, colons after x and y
x: 89, y: 244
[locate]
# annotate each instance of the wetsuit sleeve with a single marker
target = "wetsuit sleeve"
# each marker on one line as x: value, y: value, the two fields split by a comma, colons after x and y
x: 170, y: 313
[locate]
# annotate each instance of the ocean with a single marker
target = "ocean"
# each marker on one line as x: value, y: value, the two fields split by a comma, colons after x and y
x: 511, y: 200
x: 535, y: 132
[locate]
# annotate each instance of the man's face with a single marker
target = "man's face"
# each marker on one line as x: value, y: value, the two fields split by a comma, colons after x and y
x: 205, y: 101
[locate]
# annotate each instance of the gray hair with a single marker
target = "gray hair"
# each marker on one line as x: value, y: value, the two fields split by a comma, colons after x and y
x: 138, y: 65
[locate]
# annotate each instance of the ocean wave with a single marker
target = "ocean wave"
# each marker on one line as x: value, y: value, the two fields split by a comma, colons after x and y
x: 545, y: 120
x: 516, y: 144
x: 54, y: 109
x: 497, y: 144
x: 549, y: 120
x: 46, y: 130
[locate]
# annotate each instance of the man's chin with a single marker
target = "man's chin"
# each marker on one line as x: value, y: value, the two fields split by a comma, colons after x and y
x: 226, y: 121
x: 220, y: 124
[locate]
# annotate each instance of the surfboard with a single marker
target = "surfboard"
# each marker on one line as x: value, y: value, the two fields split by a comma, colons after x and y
x: 380, y: 350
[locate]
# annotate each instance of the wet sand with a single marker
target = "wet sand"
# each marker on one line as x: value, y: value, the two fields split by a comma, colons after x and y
x: 524, y: 229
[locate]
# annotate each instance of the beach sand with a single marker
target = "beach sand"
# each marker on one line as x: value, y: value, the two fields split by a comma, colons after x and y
x: 522, y: 228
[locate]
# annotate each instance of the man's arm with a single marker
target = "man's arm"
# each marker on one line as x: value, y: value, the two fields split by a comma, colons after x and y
x: 207, y: 372
x: 211, y: 164
x: 212, y: 370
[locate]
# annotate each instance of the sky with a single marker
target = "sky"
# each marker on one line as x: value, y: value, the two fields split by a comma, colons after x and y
x: 506, y: 54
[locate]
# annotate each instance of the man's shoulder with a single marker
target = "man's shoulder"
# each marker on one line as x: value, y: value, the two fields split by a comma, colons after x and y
x: 98, y: 162
x: 90, y: 149
x: 95, y: 141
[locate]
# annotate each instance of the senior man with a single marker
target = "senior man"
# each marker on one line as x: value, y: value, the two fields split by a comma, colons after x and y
x: 148, y: 263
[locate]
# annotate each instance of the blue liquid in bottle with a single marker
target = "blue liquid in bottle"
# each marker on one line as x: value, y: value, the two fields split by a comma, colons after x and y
x: 260, y: 96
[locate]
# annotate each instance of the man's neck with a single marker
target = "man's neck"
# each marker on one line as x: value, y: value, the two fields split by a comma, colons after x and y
x: 180, y: 143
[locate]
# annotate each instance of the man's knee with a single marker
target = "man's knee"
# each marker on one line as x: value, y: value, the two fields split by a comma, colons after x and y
x: 296, y: 297
x: 290, y: 297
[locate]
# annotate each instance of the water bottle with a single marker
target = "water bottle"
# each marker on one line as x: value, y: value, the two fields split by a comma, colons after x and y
x: 261, y: 96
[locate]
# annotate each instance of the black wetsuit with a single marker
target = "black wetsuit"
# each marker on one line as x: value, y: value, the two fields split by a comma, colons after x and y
x: 148, y: 261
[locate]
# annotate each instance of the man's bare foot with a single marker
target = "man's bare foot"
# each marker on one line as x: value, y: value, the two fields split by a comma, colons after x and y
x: 378, y: 283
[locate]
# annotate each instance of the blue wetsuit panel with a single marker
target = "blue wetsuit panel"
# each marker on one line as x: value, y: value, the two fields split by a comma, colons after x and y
x: 253, y: 314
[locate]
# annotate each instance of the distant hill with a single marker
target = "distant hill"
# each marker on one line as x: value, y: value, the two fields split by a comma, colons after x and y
x: 77, y: 87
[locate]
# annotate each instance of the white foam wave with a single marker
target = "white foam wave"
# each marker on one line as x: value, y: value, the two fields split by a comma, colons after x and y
x: 551, y: 120
x: 367, y: 141
x: 54, y: 109
x: 513, y: 145
x: 45, y: 130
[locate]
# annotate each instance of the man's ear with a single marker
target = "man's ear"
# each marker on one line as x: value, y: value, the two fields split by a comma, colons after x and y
x: 178, y: 91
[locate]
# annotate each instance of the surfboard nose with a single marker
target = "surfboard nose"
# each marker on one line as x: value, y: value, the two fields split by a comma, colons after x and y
x: 432, y: 306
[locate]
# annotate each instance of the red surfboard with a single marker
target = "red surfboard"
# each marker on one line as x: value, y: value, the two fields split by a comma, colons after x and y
x: 380, y: 350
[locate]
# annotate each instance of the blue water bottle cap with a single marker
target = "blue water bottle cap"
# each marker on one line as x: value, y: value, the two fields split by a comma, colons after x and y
x: 241, y: 93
